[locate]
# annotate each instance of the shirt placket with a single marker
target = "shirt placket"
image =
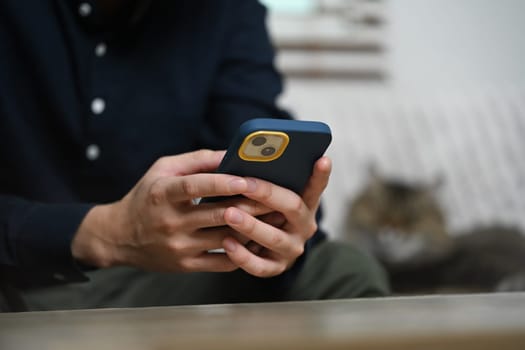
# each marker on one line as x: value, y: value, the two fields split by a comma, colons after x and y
x: 97, y: 103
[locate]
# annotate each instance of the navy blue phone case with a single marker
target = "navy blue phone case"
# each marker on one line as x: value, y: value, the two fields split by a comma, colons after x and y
x: 308, y: 140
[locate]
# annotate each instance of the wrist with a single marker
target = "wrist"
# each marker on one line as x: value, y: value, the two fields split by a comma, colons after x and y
x: 92, y: 244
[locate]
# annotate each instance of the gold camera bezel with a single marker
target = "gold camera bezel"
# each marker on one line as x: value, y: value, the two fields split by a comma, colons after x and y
x: 285, y: 139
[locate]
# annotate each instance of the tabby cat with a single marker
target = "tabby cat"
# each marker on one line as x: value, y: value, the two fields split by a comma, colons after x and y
x: 403, y: 226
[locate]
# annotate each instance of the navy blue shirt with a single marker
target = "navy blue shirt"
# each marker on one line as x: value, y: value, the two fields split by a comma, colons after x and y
x: 89, y: 99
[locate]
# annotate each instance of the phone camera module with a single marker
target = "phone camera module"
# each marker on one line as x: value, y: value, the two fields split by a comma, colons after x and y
x: 263, y: 146
x: 268, y: 151
x: 259, y: 141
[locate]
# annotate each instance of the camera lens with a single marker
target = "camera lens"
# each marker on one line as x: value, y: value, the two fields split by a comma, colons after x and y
x: 259, y: 141
x: 268, y: 151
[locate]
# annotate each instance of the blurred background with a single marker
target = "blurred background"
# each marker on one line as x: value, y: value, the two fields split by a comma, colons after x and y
x: 422, y: 90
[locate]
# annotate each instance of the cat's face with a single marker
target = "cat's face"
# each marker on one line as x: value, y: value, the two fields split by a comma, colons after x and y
x: 399, y: 223
x: 391, y: 205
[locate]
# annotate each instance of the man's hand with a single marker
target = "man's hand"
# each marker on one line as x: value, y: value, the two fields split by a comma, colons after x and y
x: 157, y: 226
x: 283, y: 233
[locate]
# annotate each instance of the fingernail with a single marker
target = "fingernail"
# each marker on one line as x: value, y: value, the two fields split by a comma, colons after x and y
x: 235, y: 217
x: 238, y: 185
x: 229, y: 245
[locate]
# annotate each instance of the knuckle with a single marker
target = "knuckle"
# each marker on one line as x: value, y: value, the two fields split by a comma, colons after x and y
x: 164, y: 224
x: 157, y: 192
x: 276, y: 240
x: 298, y: 250
x: 260, y: 270
x: 296, y: 204
x: 186, y: 265
x: 251, y: 207
x: 217, y: 217
x: 313, y: 227
x: 215, y: 185
x: 243, y: 260
x: 161, y: 161
x: 178, y: 246
x: 266, y: 191
x: 250, y: 225
x: 188, y: 188
x: 281, y: 269
x: 203, y: 153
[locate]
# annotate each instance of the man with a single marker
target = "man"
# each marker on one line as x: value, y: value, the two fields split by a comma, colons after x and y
x: 100, y: 103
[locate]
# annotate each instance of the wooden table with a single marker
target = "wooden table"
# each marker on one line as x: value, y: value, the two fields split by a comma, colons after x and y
x: 435, y: 322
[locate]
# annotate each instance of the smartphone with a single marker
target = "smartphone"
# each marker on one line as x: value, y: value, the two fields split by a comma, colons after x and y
x: 280, y: 151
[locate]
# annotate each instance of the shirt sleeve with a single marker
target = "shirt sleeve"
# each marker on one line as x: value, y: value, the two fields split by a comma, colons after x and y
x: 35, y: 241
x: 247, y: 86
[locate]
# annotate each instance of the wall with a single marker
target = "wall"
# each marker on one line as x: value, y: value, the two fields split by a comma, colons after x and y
x: 456, y: 90
x: 443, y: 43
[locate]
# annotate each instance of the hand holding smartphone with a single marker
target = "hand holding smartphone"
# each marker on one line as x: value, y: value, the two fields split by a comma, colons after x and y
x: 279, y: 151
x: 284, y: 153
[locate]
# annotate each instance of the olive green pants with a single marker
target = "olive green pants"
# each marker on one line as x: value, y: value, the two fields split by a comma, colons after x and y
x: 332, y: 270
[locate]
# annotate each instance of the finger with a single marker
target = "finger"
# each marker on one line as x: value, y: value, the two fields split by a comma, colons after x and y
x: 317, y: 183
x: 220, y: 233
x: 209, y: 262
x: 248, y: 205
x: 211, y: 238
x: 250, y: 262
x: 266, y: 235
x: 280, y: 199
x: 184, y: 188
x: 212, y: 214
x: 189, y: 163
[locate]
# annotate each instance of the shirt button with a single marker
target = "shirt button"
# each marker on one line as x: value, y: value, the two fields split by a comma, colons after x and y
x: 84, y: 9
x: 92, y: 152
x: 98, y: 105
x: 100, y: 49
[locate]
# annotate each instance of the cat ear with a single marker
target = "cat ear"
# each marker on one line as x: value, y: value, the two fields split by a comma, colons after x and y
x: 373, y: 172
x: 376, y: 182
x: 437, y: 183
